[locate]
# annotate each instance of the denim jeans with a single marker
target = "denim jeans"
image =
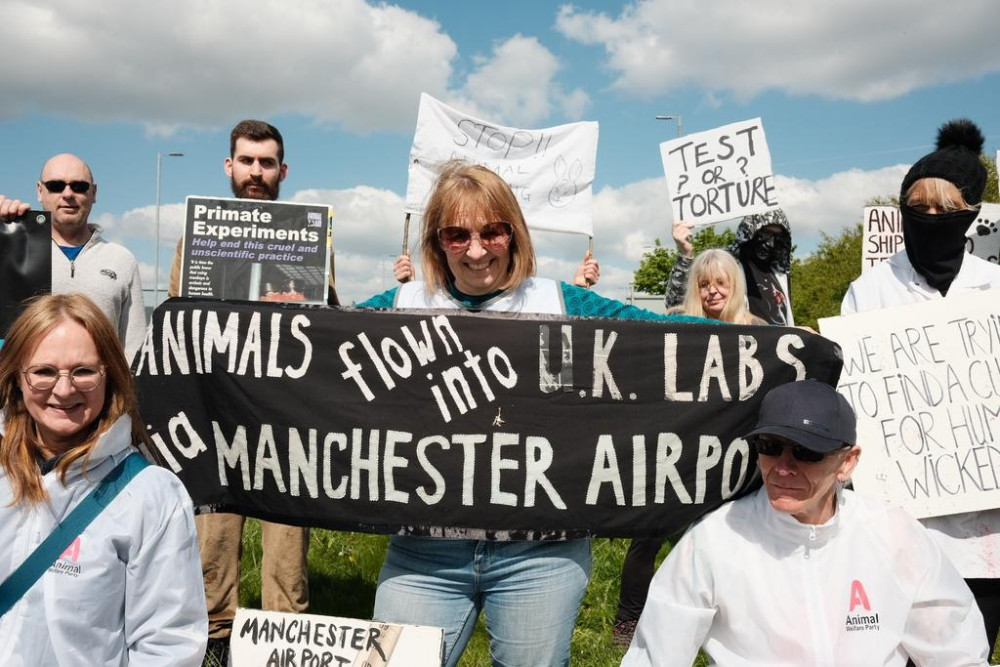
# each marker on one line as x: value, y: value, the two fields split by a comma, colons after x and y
x: 530, y: 593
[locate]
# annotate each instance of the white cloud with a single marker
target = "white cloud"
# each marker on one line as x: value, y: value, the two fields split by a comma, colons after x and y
x: 855, y: 49
x: 199, y: 63
x: 517, y: 85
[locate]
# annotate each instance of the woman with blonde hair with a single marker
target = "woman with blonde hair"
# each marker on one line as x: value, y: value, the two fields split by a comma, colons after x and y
x: 128, y: 585
x: 717, y: 290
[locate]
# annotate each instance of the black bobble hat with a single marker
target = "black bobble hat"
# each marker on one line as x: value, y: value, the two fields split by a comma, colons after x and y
x: 956, y: 160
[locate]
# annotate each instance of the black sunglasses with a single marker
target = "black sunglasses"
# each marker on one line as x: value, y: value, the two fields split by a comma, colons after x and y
x: 772, y: 448
x: 55, y: 187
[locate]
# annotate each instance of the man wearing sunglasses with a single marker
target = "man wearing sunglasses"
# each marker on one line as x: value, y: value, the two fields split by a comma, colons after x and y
x: 804, y: 571
x: 82, y: 260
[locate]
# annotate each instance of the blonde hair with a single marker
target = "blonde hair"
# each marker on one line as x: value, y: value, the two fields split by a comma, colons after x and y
x: 20, y: 441
x: 939, y: 193
x: 711, y: 264
x: 463, y: 194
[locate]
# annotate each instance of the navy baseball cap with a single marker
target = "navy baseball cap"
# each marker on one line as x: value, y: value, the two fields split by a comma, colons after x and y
x: 809, y: 413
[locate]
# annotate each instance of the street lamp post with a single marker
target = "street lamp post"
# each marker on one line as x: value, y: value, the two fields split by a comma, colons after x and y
x: 156, y: 275
x: 677, y: 117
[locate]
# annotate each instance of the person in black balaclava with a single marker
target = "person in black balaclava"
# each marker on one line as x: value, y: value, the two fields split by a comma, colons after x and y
x: 939, y: 199
x: 763, y: 247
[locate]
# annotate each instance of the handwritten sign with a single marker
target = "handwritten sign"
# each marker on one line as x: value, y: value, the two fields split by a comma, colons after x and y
x: 983, y: 237
x: 924, y: 381
x: 720, y: 174
x: 883, y: 235
x: 550, y: 170
x: 275, y: 639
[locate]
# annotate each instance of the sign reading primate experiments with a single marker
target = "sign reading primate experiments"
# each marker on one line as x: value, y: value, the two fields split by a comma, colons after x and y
x: 422, y: 422
x: 275, y: 639
x: 256, y: 250
x: 924, y: 381
x: 25, y: 263
x: 720, y: 174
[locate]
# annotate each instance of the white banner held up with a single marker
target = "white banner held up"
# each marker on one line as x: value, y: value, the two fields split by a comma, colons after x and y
x: 265, y: 638
x: 882, y: 235
x: 983, y: 237
x: 924, y: 381
x: 550, y: 170
x: 720, y: 174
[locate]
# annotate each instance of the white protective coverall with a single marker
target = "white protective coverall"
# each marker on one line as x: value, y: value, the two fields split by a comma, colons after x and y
x: 128, y: 591
x: 754, y: 586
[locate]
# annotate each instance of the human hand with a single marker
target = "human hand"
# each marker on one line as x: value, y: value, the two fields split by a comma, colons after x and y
x: 588, y: 273
x: 12, y: 208
x: 403, y: 269
x: 683, y: 233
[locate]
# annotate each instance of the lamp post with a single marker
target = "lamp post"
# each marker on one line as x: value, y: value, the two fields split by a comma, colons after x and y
x: 156, y: 275
x: 677, y: 117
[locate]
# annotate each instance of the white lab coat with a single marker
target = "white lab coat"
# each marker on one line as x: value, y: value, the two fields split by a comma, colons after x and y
x: 128, y: 592
x: 971, y: 539
x: 753, y: 586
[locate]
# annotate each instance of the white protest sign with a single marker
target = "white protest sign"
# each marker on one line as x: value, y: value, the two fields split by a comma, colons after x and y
x: 276, y: 639
x: 550, y: 170
x: 882, y: 236
x: 983, y: 237
x: 924, y: 381
x: 720, y: 174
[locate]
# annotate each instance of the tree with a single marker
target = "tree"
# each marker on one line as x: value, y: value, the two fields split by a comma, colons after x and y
x: 654, y: 270
x: 820, y: 281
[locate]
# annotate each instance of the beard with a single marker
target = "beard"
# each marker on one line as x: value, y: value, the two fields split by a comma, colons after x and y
x: 261, y: 189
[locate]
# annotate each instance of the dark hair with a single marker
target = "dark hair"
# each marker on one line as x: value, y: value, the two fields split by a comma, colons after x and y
x: 256, y: 130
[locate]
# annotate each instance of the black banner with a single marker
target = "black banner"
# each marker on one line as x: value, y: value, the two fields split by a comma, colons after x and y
x: 25, y: 263
x: 517, y: 427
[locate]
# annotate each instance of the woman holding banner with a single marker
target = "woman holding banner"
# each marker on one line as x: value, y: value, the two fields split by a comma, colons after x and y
x: 763, y: 247
x: 939, y: 199
x: 477, y: 255
x: 97, y: 568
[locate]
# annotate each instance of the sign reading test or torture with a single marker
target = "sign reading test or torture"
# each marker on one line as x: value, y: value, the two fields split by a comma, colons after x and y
x: 719, y: 174
x: 924, y: 381
x: 429, y: 422
x: 550, y: 170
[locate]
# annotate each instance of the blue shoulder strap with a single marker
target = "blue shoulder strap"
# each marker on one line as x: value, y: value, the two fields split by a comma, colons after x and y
x: 46, y: 553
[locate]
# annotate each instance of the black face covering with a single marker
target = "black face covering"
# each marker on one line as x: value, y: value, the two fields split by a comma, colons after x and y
x: 767, y: 248
x: 935, y: 244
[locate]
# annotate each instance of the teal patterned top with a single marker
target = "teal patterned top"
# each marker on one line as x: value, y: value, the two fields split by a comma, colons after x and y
x: 580, y: 302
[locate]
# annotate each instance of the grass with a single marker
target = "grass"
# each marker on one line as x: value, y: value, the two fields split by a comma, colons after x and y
x: 343, y: 571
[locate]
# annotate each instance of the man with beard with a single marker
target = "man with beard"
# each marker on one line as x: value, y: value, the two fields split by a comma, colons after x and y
x: 82, y: 261
x: 255, y: 166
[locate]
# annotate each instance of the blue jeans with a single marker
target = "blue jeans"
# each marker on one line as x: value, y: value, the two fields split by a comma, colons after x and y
x: 529, y: 591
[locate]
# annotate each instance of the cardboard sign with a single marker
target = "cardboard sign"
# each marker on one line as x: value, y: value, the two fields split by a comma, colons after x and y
x: 256, y: 250
x: 550, y: 170
x: 983, y: 237
x: 431, y: 423
x: 882, y: 235
x: 25, y: 263
x: 924, y: 381
x: 720, y: 174
x: 276, y: 639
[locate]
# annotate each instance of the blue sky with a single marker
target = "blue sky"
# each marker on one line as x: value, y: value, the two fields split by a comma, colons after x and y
x: 850, y: 93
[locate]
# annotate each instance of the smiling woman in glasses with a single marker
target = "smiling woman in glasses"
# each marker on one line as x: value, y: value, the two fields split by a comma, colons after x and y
x: 803, y: 571
x: 477, y: 255
x: 128, y: 589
